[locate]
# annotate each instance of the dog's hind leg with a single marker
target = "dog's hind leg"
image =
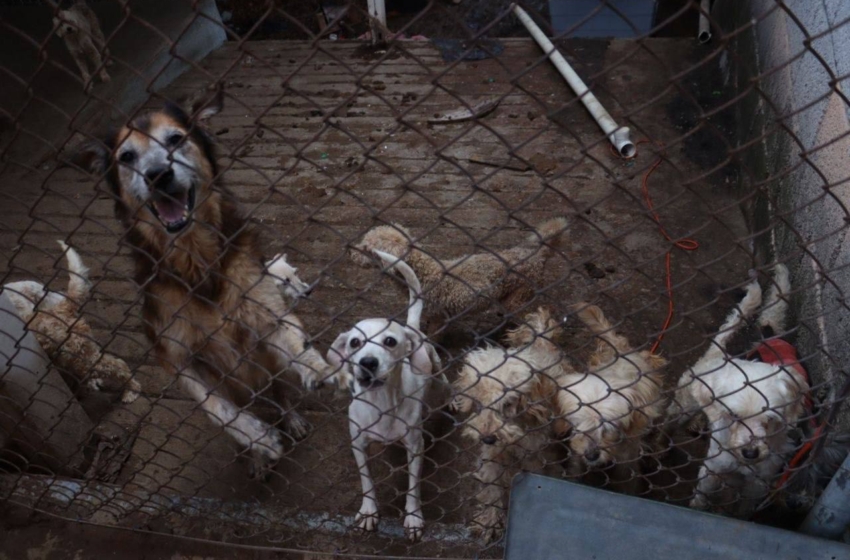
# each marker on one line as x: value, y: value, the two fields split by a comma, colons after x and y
x: 775, y: 311
x: 414, y: 521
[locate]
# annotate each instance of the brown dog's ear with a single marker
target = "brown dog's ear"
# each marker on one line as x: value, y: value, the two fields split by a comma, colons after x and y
x: 90, y: 155
x: 205, y: 106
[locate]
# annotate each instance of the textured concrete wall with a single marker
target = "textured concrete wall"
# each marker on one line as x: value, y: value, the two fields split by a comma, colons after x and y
x: 795, y: 137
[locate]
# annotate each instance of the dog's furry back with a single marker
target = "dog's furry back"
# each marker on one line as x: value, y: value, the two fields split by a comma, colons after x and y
x: 471, y: 281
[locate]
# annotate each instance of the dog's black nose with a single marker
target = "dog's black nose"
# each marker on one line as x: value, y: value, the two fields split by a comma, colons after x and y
x: 592, y: 455
x: 369, y: 363
x: 160, y: 176
x: 489, y: 440
x: 750, y: 452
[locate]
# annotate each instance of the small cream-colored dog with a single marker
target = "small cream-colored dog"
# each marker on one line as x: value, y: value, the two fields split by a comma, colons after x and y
x: 750, y: 407
x: 286, y: 278
x: 388, y: 368
x: 80, y: 28
x: 54, y: 318
x: 509, y: 396
x: 612, y: 406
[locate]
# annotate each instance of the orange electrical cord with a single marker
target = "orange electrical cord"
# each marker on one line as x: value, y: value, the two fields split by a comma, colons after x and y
x: 686, y: 244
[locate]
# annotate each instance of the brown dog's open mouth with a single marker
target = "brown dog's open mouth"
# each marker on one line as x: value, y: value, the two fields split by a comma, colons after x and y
x: 174, y: 210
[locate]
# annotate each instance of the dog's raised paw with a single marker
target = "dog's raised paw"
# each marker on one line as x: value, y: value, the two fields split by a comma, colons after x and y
x: 414, y: 525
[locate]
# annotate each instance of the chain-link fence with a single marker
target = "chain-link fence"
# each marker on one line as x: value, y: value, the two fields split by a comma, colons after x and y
x: 221, y: 349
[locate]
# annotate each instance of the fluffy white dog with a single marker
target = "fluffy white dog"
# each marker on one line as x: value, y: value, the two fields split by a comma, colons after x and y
x: 388, y: 367
x: 750, y: 406
x: 79, y: 27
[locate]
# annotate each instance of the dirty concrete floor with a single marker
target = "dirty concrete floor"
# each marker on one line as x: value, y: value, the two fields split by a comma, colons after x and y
x: 322, y: 144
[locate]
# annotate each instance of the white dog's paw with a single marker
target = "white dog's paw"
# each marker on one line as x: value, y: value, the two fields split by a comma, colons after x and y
x: 367, y: 517
x: 295, y: 425
x: 94, y: 383
x: 414, y: 525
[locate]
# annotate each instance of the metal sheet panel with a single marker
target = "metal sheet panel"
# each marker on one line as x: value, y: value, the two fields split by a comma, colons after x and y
x: 556, y: 519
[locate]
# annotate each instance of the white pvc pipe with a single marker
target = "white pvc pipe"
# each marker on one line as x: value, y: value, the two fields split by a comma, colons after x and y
x: 618, y: 135
x: 377, y: 13
x: 704, y: 35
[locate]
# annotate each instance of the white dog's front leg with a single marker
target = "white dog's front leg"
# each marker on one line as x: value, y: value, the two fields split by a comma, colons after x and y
x: 414, y: 520
x: 79, y: 58
x: 367, y: 517
x: 261, y: 438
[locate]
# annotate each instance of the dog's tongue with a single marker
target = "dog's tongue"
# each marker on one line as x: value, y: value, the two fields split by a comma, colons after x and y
x: 171, y: 209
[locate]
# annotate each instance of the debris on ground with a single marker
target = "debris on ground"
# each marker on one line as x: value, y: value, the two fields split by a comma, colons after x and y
x: 474, y: 111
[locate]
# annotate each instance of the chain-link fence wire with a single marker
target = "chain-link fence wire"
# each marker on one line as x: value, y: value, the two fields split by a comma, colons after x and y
x: 215, y: 390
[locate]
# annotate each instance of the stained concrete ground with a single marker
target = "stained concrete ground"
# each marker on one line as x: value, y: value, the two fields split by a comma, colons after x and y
x: 322, y: 144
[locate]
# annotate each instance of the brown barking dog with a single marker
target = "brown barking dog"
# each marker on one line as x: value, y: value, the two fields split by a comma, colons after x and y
x: 473, y: 282
x: 216, y: 320
x: 509, y: 396
x: 612, y: 406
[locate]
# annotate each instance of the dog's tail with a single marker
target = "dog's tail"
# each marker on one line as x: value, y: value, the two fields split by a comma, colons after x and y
x: 548, y: 231
x: 414, y: 309
x: 78, y: 282
x: 744, y: 310
x: 775, y: 311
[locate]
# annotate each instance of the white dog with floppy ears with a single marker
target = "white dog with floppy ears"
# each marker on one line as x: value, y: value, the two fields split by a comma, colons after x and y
x: 388, y: 368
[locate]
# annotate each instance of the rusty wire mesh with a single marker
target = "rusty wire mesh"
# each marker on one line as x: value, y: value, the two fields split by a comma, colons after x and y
x: 319, y: 141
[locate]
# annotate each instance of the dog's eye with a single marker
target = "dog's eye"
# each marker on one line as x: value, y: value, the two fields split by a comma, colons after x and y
x: 127, y: 157
x: 174, y: 139
x: 390, y: 342
x: 354, y: 343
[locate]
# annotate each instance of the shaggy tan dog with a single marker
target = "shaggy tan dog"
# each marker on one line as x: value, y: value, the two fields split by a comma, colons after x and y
x: 505, y: 280
x: 67, y: 339
x: 612, y: 406
x: 509, y: 396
